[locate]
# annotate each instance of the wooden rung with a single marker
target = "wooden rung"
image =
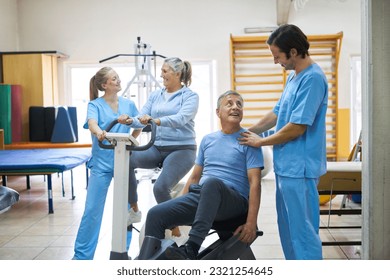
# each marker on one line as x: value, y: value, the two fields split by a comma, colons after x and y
x: 330, y: 147
x: 265, y: 108
x: 260, y: 91
x: 260, y: 99
x: 329, y: 72
x: 246, y: 39
x: 251, y: 45
x: 259, y: 75
x: 243, y: 62
x: 258, y: 83
x: 329, y: 45
x: 331, y: 156
x: 250, y: 48
x: 250, y: 56
x: 257, y: 44
x: 314, y: 54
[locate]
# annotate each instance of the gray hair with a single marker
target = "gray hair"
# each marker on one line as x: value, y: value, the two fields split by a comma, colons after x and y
x: 227, y: 93
x: 182, y: 67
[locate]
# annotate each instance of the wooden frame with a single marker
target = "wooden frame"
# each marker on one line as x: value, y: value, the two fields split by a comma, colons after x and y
x: 261, y: 82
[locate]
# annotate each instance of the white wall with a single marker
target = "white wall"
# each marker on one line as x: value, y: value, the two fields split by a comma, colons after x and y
x: 330, y: 17
x: 8, y: 25
x: 91, y: 30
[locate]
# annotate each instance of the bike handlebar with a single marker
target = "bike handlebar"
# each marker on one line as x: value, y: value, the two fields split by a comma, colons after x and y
x: 131, y: 147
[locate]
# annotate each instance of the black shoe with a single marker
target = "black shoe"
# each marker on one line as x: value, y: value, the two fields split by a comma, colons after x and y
x: 184, y: 252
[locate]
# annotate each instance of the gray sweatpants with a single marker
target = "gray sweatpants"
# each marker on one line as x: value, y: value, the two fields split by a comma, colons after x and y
x: 176, y: 162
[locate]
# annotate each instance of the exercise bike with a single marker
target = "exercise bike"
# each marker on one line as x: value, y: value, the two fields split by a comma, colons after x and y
x: 123, y: 144
x: 227, y: 247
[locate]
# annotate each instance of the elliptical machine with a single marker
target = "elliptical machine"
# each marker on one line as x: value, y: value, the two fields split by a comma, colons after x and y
x: 123, y: 144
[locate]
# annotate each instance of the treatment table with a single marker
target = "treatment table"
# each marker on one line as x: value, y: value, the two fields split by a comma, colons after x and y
x: 28, y: 162
x: 341, y: 178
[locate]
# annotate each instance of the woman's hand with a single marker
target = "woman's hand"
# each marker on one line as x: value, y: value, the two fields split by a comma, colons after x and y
x: 125, y: 119
x: 250, y: 139
x: 101, y: 135
x: 145, y: 119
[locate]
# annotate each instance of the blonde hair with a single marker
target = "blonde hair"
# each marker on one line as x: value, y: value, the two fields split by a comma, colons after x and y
x: 96, y: 82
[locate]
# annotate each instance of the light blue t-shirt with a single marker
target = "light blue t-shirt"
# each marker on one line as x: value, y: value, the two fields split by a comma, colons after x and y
x: 222, y: 157
x: 98, y: 109
x: 304, y: 101
x: 177, y: 114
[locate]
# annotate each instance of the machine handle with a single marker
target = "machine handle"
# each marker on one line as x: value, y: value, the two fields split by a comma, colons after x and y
x: 153, y: 127
x: 131, y: 147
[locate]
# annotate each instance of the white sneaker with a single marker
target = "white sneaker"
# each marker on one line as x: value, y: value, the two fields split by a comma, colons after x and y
x: 180, y: 240
x: 133, y: 217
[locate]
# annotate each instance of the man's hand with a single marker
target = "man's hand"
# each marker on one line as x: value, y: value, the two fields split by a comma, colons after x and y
x: 250, y: 139
x: 246, y: 233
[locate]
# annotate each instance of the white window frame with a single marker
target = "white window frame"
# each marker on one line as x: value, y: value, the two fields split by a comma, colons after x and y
x: 205, y: 86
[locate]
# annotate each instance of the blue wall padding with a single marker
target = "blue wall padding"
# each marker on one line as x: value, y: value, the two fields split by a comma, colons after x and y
x: 63, y: 129
x: 53, y: 124
x: 36, y: 116
x: 50, y: 119
x: 72, y: 111
x: 5, y: 112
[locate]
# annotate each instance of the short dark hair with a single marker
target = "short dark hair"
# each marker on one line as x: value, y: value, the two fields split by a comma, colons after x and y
x: 287, y: 37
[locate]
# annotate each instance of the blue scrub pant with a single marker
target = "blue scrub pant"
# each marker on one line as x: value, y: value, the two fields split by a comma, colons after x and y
x: 177, y: 161
x: 200, y: 207
x: 88, y: 233
x: 298, y: 211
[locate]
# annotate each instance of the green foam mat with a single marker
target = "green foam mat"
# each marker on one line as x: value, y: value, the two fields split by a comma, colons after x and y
x: 5, y: 112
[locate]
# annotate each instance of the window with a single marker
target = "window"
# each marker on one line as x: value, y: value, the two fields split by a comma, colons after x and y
x: 203, y: 83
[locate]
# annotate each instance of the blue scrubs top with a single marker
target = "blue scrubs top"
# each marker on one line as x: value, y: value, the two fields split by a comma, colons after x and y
x: 98, y: 109
x: 304, y: 101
